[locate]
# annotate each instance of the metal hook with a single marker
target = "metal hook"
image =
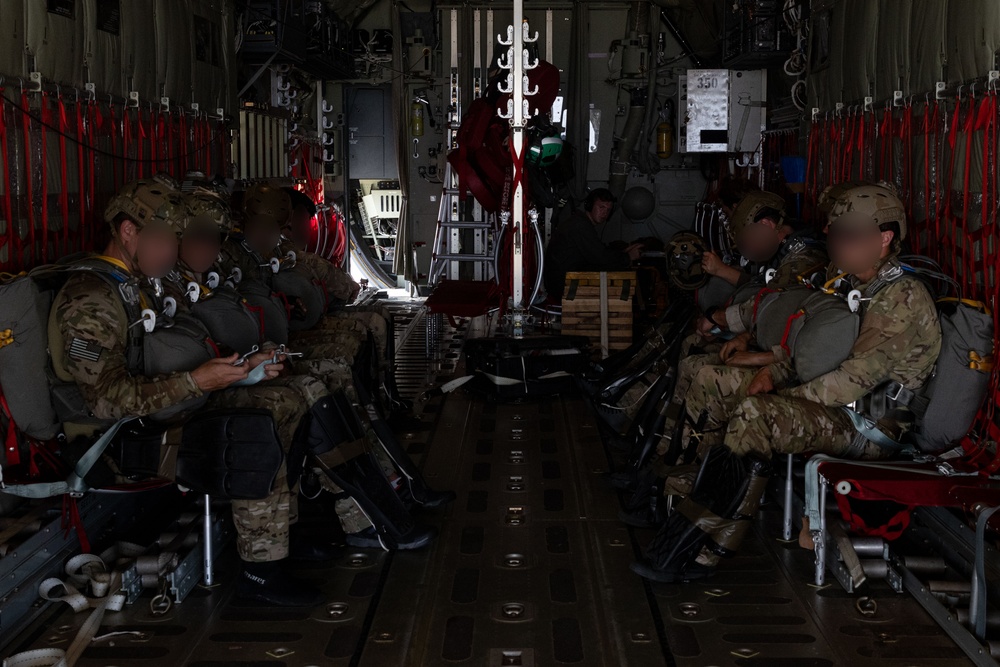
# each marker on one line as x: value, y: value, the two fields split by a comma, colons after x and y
x: 510, y: 111
x: 509, y: 88
x: 960, y: 86
x: 526, y: 63
x: 510, y: 37
x: 524, y: 86
x: 525, y: 35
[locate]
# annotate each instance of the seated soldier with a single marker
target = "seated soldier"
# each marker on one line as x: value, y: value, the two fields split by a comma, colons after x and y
x: 94, y: 344
x: 898, y: 342
x: 232, y: 325
x: 778, y: 257
x: 165, y: 373
x: 731, y: 192
x: 341, y: 289
x: 776, y: 254
x: 269, y: 281
x: 576, y: 246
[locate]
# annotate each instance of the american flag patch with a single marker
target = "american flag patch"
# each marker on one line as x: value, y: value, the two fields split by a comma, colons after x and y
x: 85, y: 350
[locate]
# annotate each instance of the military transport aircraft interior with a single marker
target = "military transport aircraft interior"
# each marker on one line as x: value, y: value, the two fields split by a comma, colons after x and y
x: 499, y: 333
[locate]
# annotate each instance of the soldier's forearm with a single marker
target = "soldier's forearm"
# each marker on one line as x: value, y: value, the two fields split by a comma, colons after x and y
x: 120, y: 395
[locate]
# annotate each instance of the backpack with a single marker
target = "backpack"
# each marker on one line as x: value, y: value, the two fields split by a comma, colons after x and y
x: 947, y: 405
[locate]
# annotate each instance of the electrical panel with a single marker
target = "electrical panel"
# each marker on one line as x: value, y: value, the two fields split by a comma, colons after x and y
x: 723, y: 111
x: 755, y: 33
x: 303, y: 33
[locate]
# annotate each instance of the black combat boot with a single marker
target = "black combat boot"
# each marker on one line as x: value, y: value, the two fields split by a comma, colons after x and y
x: 270, y: 584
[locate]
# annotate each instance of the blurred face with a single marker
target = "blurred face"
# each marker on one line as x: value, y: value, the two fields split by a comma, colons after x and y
x: 601, y: 211
x: 299, y: 229
x: 263, y: 234
x: 759, y: 241
x: 154, y: 246
x: 856, y: 245
x: 200, y: 247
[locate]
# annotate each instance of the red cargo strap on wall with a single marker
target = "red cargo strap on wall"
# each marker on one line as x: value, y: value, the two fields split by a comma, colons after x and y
x: 13, y: 238
x: 28, y: 174
x: 63, y: 177
x: 46, y: 123
x: 81, y: 172
x: 87, y: 223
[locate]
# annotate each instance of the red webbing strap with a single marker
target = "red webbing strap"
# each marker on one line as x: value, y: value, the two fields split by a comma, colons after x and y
x: 259, y: 312
x: 905, y: 134
x: 847, y: 148
x: 788, y: 331
x: 12, y: 452
x: 890, y: 531
x: 28, y: 178
x: 63, y: 177
x: 115, y: 132
x: 12, y: 241
x: 87, y: 223
x: 969, y: 265
x: 758, y: 298
x: 813, y: 168
x: 169, y: 136
x: 885, y: 134
x: 46, y: 108
x: 929, y: 129
x: 71, y: 521
x: 81, y: 173
x: 865, y: 124
x: 140, y: 140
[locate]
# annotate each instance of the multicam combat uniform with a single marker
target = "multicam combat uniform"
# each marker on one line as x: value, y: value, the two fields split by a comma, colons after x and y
x: 89, y: 342
x: 899, y: 340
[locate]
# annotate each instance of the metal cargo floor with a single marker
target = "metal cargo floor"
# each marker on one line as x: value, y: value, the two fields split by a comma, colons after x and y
x: 530, y: 568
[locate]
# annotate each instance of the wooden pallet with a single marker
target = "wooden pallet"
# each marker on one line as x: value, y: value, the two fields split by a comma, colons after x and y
x: 608, y: 321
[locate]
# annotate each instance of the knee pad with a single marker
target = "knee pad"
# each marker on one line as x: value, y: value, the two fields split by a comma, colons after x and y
x: 233, y: 454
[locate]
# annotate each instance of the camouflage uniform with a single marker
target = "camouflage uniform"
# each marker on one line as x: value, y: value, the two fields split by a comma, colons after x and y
x: 88, y: 341
x: 340, y: 286
x: 900, y: 339
x: 262, y: 525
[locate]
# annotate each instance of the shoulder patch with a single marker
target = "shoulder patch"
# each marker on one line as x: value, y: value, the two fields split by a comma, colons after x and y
x: 85, y: 350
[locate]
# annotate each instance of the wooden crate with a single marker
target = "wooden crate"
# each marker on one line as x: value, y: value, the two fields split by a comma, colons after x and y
x: 608, y: 321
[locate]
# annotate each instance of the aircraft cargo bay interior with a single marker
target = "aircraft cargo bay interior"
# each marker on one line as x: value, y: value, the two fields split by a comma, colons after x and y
x: 499, y: 333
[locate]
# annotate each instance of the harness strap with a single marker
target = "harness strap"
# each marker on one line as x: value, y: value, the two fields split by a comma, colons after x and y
x: 75, y: 483
x: 867, y: 428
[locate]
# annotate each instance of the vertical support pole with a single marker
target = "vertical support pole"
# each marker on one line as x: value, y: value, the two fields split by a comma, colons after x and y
x: 454, y: 119
x: 786, y: 529
x: 819, y: 537
x: 207, y: 550
x: 517, y: 113
x: 478, y: 79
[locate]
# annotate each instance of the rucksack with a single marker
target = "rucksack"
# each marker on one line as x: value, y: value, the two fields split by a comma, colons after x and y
x: 947, y: 405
